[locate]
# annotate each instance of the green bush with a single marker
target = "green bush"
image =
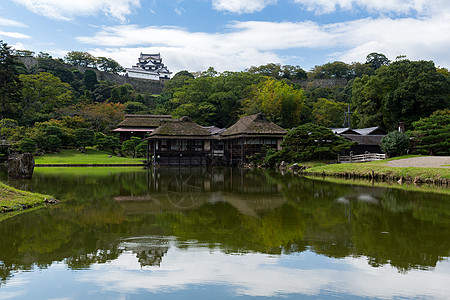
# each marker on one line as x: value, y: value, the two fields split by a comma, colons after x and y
x: 395, y: 143
x: 51, y: 143
x: 25, y: 145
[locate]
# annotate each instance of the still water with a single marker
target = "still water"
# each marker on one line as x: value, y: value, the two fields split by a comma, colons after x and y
x: 129, y: 233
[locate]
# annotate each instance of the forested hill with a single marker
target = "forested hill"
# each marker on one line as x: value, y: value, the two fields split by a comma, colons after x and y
x: 41, y: 96
x: 35, y: 65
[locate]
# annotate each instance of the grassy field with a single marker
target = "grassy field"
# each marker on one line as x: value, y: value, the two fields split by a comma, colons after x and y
x: 91, y: 157
x: 13, y: 201
x: 380, y: 167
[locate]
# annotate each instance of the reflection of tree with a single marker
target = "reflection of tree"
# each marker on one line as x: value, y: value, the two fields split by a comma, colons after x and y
x: 243, y: 211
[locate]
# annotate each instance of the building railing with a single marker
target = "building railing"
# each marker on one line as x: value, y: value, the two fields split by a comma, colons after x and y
x: 361, y: 157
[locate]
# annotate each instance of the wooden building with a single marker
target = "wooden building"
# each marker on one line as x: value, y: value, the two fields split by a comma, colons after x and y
x: 139, y: 125
x: 248, y: 136
x: 368, y: 139
x: 181, y: 142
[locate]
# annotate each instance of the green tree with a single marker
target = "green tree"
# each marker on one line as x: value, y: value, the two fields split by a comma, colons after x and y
x: 270, y: 70
x: 10, y: 83
x: 280, y: 102
x: 107, y: 142
x: 103, y: 117
x: 51, y: 143
x: 24, y: 53
x: 43, y: 93
x: 130, y: 145
x: 432, y: 134
x: 122, y: 93
x: 136, y: 108
x: 337, y: 69
x: 79, y: 58
x: 403, y: 91
x: 25, y: 145
x: 90, y: 79
x: 395, y: 143
x: 141, y: 149
x: 8, y: 127
x: 84, y: 137
x: 376, y: 60
x: 328, y: 112
x: 308, y: 142
x: 109, y: 65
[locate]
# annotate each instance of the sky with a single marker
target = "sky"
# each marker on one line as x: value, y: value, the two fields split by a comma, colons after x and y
x: 231, y: 35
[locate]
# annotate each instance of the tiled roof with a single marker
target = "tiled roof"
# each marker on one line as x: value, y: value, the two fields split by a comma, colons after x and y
x: 254, y: 125
x: 362, y: 131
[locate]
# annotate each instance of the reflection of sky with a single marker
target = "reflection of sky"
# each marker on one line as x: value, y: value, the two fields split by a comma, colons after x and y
x: 198, y: 271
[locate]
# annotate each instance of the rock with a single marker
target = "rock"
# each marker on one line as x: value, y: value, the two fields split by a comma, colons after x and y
x: 283, y: 165
x: 400, y: 181
x: 20, y: 166
x: 51, y: 201
x: 295, y: 167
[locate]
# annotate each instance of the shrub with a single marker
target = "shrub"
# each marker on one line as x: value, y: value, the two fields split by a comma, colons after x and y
x: 395, y: 143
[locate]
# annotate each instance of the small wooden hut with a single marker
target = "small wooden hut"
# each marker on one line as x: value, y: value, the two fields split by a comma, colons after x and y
x: 181, y: 142
x: 249, y: 136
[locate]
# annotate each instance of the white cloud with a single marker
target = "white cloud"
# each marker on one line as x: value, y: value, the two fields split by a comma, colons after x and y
x: 241, y: 6
x: 14, y: 35
x: 381, y: 6
x: 260, y: 275
x: 244, y: 44
x: 11, y: 23
x: 424, y: 7
x: 67, y: 9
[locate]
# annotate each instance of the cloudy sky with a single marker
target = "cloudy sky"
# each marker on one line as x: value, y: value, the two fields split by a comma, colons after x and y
x: 231, y: 34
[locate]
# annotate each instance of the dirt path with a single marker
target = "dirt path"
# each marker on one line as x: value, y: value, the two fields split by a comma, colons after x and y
x: 422, y: 162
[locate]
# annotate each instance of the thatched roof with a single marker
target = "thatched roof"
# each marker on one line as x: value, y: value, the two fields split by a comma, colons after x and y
x: 184, y: 128
x: 143, y: 121
x: 254, y: 125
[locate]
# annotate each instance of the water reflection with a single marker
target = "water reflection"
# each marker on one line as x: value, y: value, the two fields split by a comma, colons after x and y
x: 184, y: 227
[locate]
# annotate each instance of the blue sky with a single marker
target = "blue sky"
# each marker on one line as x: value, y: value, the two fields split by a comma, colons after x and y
x: 231, y: 34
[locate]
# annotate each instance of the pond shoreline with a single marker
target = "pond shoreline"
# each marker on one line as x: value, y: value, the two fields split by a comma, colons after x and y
x: 14, y: 201
x: 379, y: 176
x: 90, y: 165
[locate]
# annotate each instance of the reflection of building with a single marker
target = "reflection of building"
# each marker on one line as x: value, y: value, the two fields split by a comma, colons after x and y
x: 149, y: 250
x: 185, y: 189
x: 368, y: 139
x: 150, y: 67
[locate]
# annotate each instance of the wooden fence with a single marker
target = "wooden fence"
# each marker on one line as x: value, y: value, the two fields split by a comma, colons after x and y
x: 361, y: 158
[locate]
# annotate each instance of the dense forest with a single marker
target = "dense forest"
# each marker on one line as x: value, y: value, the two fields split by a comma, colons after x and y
x: 54, y: 104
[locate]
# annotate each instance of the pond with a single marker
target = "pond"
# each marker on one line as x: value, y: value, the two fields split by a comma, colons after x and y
x: 192, y: 233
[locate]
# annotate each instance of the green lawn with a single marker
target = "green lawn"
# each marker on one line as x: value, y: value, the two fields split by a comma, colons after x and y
x: 380, y: 167
x: 13, y: 201
x: 71, y: 156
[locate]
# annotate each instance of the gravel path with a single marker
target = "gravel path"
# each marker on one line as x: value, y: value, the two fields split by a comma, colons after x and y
x: 422, y: 162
